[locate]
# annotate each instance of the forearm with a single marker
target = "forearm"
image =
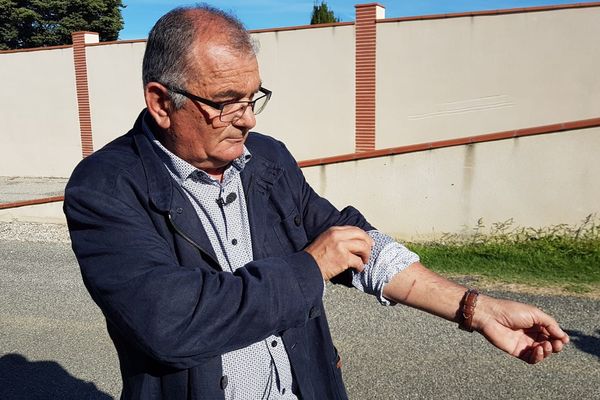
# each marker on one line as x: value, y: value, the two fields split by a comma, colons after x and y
x: 418, y: 287
x: 521, y: 330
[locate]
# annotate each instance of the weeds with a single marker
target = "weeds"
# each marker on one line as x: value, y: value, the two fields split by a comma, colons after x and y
x: 561, y: 255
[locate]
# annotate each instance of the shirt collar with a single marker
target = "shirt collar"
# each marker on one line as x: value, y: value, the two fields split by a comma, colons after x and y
x: 181, y: 169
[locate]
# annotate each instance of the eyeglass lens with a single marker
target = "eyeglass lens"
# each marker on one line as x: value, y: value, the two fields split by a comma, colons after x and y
x: 234, y: 111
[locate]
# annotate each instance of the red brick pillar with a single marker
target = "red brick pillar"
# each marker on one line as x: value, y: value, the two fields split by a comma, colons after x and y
x: 81, y: 83
x: 366, y: 53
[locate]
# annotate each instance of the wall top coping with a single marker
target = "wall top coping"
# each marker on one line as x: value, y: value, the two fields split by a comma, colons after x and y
x: 491, y: 12
x: 62, y: 46
x: 85, y: 33
x: 369, y: 5
x: 129, y: 41
x: 462, y: 141
x: 300, y: 27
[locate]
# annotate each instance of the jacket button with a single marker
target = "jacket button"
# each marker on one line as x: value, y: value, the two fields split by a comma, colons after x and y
x: 224, y: 382
x: 179, y: 210
x: 297, y: 220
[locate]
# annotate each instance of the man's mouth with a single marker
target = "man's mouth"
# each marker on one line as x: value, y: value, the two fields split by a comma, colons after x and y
x: 235, y: 139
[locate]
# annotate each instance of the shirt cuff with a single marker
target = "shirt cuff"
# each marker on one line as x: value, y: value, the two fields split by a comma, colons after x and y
x: 388, y: 257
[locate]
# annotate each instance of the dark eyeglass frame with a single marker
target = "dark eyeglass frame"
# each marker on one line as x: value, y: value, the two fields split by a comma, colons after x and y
x: 220, y: 106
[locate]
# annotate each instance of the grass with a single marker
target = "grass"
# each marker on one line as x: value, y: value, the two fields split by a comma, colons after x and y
x: 561, y: 256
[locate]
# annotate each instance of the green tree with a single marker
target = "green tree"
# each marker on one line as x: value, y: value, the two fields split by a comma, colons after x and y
x: 322, y: 14
x: 37, y: 23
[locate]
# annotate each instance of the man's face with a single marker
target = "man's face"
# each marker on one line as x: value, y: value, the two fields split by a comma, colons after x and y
x: 196, y: 134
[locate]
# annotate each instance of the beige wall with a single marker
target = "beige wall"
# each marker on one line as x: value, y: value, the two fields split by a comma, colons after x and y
x: 447, y: 78
x: 538, y: 180
x: 38, y: 107
x: 311, y: 74
x: 51, y: 213
x: 115, y: 85
x: 436, y: 79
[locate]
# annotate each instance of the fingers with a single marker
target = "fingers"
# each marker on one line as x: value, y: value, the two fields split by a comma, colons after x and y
x: 551, y: 327
x: 556, y: 338
x: 356, y: 263
x: 340, y: 248
x: 537, y: 355
x: 555, y: 332
x: 361, y: 249
x: 557, y: 345
x: 547, y: 349
x: 540, y: 351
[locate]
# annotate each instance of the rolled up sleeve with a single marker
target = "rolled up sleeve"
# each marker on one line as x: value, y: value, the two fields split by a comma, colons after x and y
x: 388, y: 257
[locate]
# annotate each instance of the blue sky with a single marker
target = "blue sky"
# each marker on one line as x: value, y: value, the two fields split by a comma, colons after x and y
x: 140, y: 15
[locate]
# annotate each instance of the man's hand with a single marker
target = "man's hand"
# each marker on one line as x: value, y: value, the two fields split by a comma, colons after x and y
x: 340, y: 248
x: 519, y: 329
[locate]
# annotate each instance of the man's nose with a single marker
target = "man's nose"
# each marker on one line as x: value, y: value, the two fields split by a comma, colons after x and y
x: 247, y: 119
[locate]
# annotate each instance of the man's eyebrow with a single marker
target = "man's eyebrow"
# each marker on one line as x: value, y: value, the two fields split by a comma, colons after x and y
x: 230, y: 94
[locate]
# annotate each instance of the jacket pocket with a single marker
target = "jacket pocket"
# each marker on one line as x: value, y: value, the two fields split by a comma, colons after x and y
x: 290, y: 232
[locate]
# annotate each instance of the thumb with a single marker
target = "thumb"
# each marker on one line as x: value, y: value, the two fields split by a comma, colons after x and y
x: 551, y: 326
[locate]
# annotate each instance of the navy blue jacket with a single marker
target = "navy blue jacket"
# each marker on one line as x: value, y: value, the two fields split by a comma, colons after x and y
x: 170, y: 310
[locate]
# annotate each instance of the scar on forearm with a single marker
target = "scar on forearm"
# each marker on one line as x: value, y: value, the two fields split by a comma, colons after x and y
x: 412, y: 285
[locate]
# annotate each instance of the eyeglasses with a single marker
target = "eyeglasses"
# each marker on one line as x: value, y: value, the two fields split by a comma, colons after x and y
x: 231, y: 111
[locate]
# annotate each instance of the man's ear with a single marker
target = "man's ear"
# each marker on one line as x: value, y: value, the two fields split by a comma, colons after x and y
x: 158, y: 103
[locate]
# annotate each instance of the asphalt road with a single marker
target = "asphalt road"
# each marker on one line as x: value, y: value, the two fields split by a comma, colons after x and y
x: 53, y: 343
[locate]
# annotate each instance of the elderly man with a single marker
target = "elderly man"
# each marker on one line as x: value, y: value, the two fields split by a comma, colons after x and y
x: 207, y: 251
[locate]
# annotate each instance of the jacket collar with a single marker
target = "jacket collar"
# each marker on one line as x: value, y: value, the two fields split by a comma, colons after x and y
x: 160, y: 183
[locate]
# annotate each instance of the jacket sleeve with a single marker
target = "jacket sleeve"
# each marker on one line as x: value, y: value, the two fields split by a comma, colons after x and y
x: 175, y: 314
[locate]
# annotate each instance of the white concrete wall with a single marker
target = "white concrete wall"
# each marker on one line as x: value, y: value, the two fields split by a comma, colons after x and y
x: 537, y: 180
x: 50, y: 213
x: 311, y: 74
x: 116, y: 91
x: 447, y: 78
x: 38, y: 109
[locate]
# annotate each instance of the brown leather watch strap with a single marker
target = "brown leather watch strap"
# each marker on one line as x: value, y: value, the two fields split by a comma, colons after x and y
x: 467, y: 310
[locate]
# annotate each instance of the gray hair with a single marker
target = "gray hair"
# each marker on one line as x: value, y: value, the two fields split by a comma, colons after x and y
x: 167, y: 56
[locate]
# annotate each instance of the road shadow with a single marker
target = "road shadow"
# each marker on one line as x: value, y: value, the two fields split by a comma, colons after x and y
x: 586, y: 343
x: 21, y: 379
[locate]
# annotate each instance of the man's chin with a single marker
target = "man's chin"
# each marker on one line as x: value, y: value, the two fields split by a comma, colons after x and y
x: 235, y: 150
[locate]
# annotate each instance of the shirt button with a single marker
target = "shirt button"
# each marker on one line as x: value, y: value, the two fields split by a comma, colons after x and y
x: 224, y: 382
x: 297, y: 220
x: 283, y: 391
x: 234, y: 242
x: 274, y: 343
